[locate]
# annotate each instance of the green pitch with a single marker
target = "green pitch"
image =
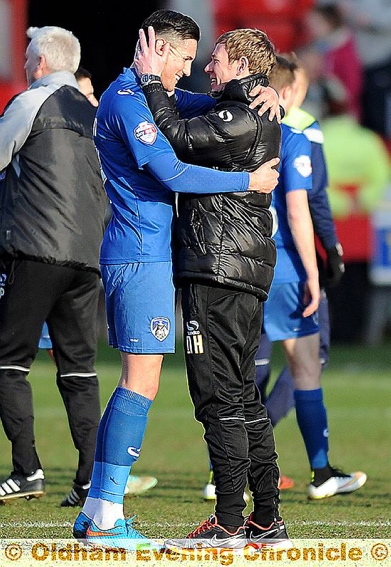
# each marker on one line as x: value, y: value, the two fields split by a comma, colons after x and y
x: 357, y: 386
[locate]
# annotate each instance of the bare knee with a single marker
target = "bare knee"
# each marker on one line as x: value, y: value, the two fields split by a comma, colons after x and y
x: 141, y: 373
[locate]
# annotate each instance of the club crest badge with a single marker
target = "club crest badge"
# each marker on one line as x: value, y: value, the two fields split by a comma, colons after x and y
x: 160, y: 327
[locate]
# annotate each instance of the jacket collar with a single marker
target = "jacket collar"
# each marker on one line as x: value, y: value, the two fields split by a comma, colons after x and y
x: 56, y: 78
x: 238, y: 89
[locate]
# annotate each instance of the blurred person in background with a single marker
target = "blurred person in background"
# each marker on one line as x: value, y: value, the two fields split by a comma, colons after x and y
x: 84, y: 80
x: 279, y: 399
x: 339, y: 58
x: 291, y: 310
x: 370, y: 21
x: 359, y: 171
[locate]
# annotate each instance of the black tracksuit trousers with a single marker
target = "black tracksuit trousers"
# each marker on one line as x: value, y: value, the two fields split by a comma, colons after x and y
x: 31, y: 293
x: 221, y: 330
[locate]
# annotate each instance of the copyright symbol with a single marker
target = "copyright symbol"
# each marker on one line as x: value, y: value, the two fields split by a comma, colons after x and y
x: 379, y: 551
x: 13, y: 551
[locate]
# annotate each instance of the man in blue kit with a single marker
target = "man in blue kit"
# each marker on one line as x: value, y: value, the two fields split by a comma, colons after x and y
x: 142, y: 174
x: 291, y: 310
x: 279, y: 400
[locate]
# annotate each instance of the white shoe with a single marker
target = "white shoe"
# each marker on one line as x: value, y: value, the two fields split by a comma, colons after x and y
x: 137, y: 485
x: 209, y: 493
x: 338, y: 483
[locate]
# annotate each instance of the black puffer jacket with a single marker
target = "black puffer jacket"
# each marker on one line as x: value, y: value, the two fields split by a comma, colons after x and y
x: 223, y: 238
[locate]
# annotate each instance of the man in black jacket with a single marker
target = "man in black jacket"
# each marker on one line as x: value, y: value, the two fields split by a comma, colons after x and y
x: 225, y: 259
x: 52, y: 207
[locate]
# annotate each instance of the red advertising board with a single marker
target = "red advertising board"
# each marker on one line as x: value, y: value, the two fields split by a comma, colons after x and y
x: 13, y: 41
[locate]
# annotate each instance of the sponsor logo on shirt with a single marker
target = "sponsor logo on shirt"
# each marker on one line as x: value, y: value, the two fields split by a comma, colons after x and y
x: 146, y: 132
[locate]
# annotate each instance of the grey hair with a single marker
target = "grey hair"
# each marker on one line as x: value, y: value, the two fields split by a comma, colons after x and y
x: 60, y: 47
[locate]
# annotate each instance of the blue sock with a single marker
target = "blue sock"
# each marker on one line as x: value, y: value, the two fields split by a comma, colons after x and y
x: 280, y: 400
x: 97, y: 468
x: 312, y: 420
x: 121, y: 441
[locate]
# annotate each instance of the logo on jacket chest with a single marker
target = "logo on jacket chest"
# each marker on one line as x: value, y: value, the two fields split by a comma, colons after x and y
x: 226, y: 116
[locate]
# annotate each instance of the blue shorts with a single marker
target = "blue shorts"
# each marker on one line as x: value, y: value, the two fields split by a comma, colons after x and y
x: 283, y: 310
x: 45, y: 341
x: 140, y: 307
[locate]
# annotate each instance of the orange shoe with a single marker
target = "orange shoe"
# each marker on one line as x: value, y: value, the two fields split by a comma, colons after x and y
x: 285, y: 482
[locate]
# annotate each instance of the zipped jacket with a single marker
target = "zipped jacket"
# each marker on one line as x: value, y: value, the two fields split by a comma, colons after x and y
x: 223, y: 238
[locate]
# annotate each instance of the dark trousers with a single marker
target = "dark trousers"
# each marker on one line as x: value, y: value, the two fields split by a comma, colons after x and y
x: 31, y: 293
x: 222, y: 329
x: 349, y: 304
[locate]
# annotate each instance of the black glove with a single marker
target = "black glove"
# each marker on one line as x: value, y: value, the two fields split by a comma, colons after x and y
x: 335, y: 266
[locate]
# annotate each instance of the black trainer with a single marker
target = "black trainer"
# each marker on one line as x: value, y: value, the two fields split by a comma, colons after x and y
x: 18, y: 486
x: 274, y: 536
x: 77, y: 496
x: 209, y: 535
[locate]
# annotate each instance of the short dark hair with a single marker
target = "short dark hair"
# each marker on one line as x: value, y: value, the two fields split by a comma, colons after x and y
x: 173, y: 25
x: 83, y: 73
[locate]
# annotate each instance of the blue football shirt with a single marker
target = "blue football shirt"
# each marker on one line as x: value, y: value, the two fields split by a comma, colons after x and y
x: 295, y: 173
x: 127, y: 141
x: 126, y: 138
